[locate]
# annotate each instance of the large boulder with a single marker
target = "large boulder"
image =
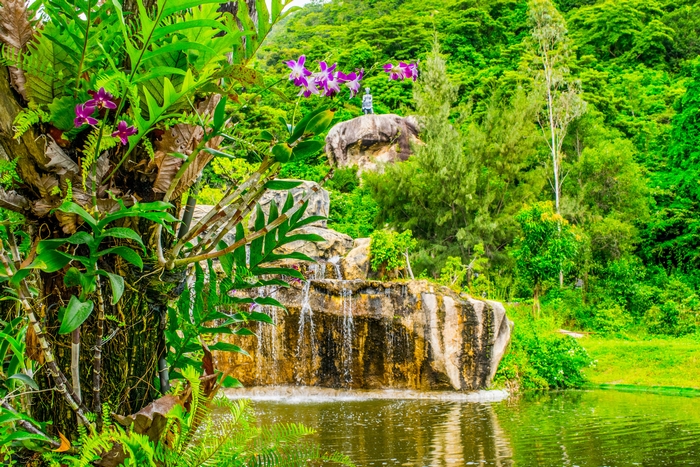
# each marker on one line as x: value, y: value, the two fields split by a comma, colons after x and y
x: 356, y: 264
x: 370, y: 141
x: 319, y: 202
x: 372, y: 334
x: 334, y: 244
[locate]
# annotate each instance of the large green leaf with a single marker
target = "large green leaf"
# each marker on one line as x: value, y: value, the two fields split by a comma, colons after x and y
x: 50, y: 261
x: 124, y: 233
x: 125, y: 252
x: 75, y: 314
x: 116, y: 282
x: 226, y: 347
x: 26, y: 379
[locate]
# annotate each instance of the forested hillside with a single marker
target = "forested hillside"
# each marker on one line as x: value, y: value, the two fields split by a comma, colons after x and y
x: 629, y: 152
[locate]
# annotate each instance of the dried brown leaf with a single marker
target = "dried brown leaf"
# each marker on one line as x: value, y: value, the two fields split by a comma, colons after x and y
x: 183, y: 139
x: 150, y: 420
x: 13, y: 201
x: 15, y: 32
x: 68, y: 221
x: 46, y: 185
x: 42, y: 207
x: 59, y: 162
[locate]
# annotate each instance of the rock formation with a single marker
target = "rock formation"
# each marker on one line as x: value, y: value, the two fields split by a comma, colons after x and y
x: 372, y: 334
x: 319, y: 202
x: 370, y: 141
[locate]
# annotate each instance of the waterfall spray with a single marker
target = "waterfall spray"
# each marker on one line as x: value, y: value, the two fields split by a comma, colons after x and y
x: 306, y: 315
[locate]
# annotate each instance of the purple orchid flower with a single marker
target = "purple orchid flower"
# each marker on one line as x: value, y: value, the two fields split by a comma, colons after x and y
x: 352, y: 81
x: 396, y: 73
x: 124, y: 131
x: 101, y: 99
x: 83, y: 115
x: 325, y: 73
x: 309, y: 88
x: 332, y: 86
x: 299, y: 72
x: 414, y: 71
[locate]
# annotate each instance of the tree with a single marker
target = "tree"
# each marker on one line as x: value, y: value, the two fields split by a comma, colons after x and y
x: 672, y: 234
x: 462, y: 188
x: 546, y: 247
x: 563, y: 103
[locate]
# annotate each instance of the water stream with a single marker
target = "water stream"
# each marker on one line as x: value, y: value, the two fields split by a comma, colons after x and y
x: 306, y: 326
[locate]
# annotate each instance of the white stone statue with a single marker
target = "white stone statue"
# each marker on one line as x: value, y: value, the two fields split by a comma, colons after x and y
x: 367, y: 107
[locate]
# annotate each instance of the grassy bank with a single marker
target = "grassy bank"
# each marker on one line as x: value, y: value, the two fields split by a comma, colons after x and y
x: 541, y: 357
x: 673, y: 362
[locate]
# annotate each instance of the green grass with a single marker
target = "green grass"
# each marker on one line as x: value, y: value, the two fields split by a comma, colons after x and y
x: 670, y: 362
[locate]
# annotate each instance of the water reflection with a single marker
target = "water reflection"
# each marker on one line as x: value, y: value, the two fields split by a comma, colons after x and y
x: 595, y: 428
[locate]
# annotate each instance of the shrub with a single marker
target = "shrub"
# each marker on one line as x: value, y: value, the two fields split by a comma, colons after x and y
x: 352, y: 213
x: 453, y: 272
x: 538, y: 358
x: 388, y: 249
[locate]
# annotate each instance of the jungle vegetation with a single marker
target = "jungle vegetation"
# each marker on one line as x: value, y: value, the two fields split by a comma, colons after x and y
x: 559, y: 172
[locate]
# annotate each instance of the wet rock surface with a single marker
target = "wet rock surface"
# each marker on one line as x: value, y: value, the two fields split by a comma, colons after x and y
x: 371, y: 335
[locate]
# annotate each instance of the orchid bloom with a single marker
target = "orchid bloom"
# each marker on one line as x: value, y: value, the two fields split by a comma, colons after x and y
x: 325, y: 73
x: 352, y: 81
x: 332, y: 86
x: 101, y: 99
x: 83, y: 115
x: 299, y: 72
x: 395, y: 72
x: 309, y: 88
x: 124, y: 131
x: 413, y: 67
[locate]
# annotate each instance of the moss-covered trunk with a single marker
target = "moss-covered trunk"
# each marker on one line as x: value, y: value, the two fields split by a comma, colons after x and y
x: 133, y: 344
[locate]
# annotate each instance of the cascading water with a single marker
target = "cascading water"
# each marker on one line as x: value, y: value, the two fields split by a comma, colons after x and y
x: 305, y: 321
x: 348, y: 332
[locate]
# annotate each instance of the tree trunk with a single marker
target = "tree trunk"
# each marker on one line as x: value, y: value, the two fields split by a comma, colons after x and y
x: 133, y: 343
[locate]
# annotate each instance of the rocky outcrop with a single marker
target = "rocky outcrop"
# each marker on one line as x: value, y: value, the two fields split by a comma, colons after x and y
x: 355, y: 265
x: 334, y: 244
x: 319, y: 202
x: 370, y: 141
x: 372, y: 334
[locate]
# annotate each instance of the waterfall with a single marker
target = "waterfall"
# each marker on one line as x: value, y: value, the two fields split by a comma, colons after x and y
x: 306, y: 315
x: 389, y: 355
x: 335, y: 261
x: 348, y: 331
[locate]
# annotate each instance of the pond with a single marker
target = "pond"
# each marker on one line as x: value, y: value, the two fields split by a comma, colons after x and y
x: 567, y: 428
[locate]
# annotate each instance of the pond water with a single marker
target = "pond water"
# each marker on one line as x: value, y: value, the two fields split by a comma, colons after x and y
x: 567, y: 428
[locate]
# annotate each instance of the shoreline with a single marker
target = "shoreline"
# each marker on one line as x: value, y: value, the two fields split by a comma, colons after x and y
x: 305, y: 394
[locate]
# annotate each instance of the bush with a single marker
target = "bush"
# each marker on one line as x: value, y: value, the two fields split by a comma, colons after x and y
x: 388, y: 250
x: 453, y: 272
x: 538, y: 358
x: 352, y: 213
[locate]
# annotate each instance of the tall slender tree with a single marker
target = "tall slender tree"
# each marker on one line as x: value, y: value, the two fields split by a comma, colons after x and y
x: 563, y: 103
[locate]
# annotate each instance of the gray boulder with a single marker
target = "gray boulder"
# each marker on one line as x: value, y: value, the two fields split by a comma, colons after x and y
x: 371, y: 141
x: 319, y: 202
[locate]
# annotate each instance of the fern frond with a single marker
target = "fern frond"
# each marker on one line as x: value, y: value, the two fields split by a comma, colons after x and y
x: 298, y: 456
x: 91, y: 149
x: 148, y: 146
x: 26, y: 118
x: 8, y: 174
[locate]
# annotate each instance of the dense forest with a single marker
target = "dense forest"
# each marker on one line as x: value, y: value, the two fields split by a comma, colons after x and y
x: 628, y: 173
